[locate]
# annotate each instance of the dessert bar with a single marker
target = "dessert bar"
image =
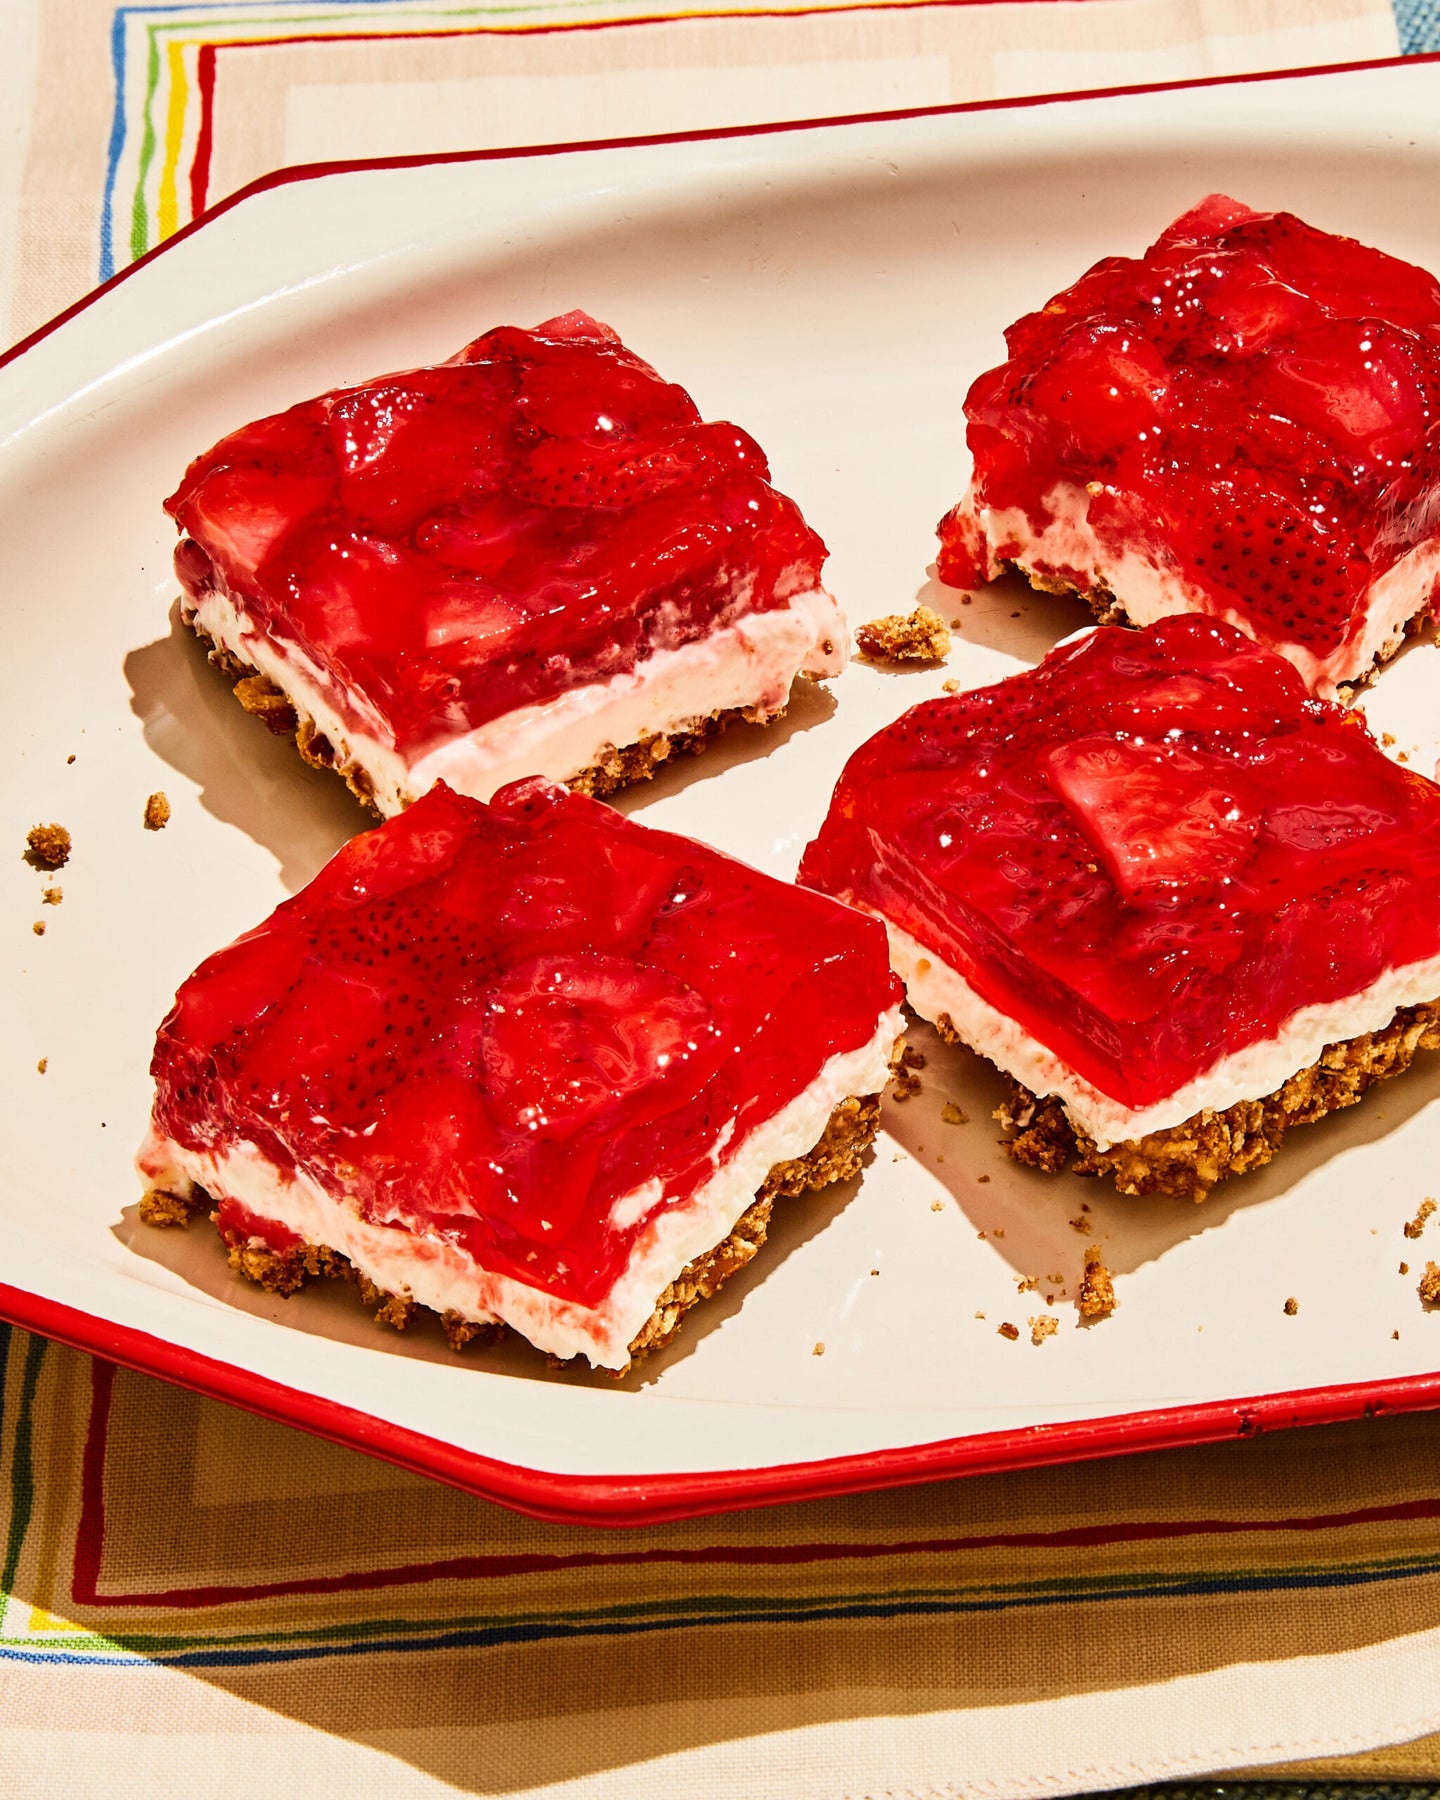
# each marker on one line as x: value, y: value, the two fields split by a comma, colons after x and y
x: 1182, y: 902
x: 534, y: 559
x: 1243, y: 422
x: 524, y: 1064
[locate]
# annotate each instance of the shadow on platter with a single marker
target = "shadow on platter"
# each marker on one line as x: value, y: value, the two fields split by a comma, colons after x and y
x: 332, y: 1308
x: 247, y: 777
x: 811, y: 704
x: 1008, y: 615
x: 1042, y: 1224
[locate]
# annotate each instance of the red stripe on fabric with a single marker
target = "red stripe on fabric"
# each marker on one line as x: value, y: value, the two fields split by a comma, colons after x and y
x: 200, y: 167
x: 205, y: 137
x: 661, y: 18
x: 471, y: 1568
x: 90, y: 1534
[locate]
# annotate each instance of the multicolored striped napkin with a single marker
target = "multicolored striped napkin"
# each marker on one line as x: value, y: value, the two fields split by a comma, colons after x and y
x: 197, y: 1601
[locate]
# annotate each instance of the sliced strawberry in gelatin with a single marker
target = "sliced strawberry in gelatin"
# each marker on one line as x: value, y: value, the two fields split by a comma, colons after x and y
x: 1162, y: 818
x: 546, y: 486
x: 492, y: 1024
x: 1250, y: 377
x: 1104, y: 387
x: 565, y: 1037
x: 1148, y: 852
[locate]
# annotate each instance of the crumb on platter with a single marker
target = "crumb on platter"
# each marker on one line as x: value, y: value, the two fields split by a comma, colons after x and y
x: 47, y: 846
x: 920, y: 636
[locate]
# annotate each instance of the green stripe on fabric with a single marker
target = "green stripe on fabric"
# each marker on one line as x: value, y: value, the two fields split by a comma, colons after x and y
x: 22, y: 1468
x: 139, y: 212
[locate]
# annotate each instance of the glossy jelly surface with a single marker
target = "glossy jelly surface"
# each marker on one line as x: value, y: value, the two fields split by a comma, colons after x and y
x: 1253, y: 405
x: 450, y: 543
x: 491, y: 1023
x: 1149, y: 851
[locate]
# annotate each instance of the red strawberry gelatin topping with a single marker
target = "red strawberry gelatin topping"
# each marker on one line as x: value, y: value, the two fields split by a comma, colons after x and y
x: 1149, y: 852
x: 1244, y: 421
x: 451, y: 543
x: 489, y: 1025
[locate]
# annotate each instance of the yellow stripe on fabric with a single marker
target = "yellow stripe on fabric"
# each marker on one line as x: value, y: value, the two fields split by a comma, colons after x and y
x: 167, y: 206
x: 40, y: 1620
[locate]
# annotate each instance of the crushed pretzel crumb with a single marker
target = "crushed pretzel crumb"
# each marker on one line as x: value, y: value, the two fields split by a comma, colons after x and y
x: 1042, y: 1326
x: 1430, y: 1284
x: 1081, y: 1224
x: 1096, y: 1299
x: 979, y: 1315
x: 1292, y: 1306
x: 1416, y: 1225
x: 904, y: 1085
x: 38, y: 928
x: 1404, y: 1268
x: 1007, y: 1330
x: 1387, y: 738
x: 157, y: 812
x: 1026, y: 1284
x: 922, y: 636
x: 47, y: 846
x: 911, y: 1059
x: 950, y: 687
x: 937, y: 1206
x: 953, y: 1114
x: 819, y: 1350
x: 42, y: 1065
x: 52, y: 896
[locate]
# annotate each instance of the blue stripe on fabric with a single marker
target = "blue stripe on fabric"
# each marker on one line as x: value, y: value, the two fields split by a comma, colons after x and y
x: 116, y: 145
x: 479, y: 1637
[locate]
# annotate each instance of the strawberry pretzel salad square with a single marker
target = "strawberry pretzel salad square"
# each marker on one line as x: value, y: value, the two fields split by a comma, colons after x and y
x: 1181, y: 902
x: 1244, y: 422
x: 525, y: 1064
x: 534, y: 559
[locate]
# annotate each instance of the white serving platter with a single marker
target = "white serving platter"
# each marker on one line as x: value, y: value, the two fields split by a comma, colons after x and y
x: 833, y: 288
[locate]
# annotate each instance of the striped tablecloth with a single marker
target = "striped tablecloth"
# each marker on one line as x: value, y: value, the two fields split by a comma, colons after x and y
x: 197, y: 1603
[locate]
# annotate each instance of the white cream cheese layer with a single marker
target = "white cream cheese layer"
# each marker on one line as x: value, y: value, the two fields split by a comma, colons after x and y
x: 438, y: 1274
x: 750, y: 664
x: 933, y: 988
x: 1148, y: 591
